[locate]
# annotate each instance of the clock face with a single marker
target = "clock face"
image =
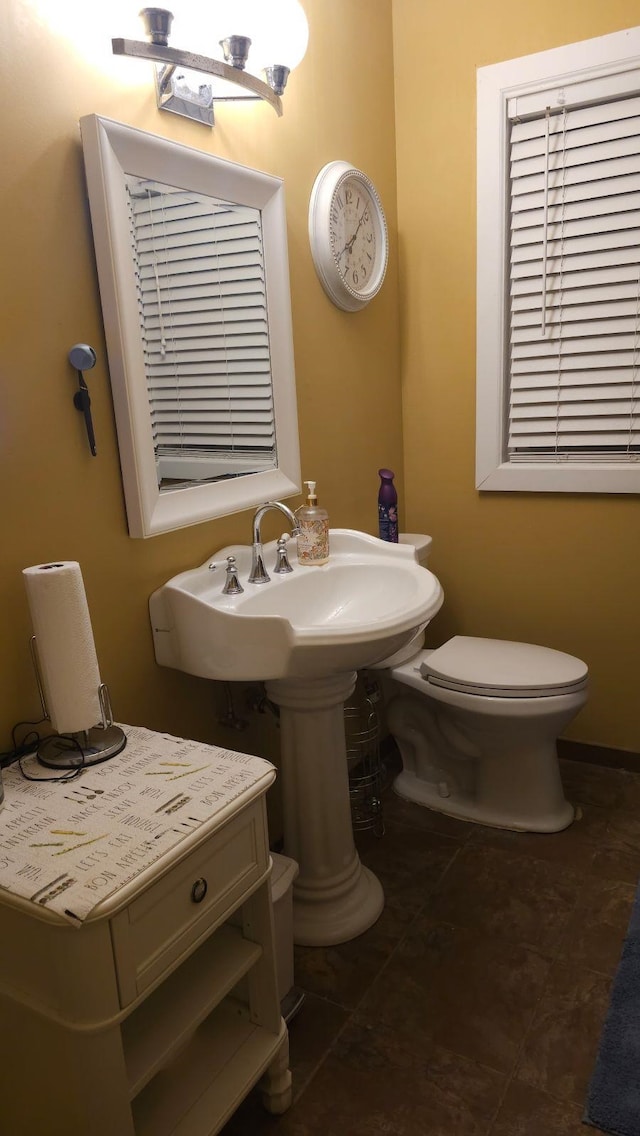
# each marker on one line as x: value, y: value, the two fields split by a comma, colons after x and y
x: 353, y: 234
x: 348, y: 235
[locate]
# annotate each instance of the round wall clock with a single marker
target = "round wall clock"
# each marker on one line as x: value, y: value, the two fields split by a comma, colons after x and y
x: 348, y: 235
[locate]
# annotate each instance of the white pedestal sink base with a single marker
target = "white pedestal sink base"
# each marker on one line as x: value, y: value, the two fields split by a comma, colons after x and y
x: 324, y: 917
x: 334, y: 897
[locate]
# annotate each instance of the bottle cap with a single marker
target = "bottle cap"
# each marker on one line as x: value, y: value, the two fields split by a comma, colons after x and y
x: 311, y: 499
x: 386, y: 474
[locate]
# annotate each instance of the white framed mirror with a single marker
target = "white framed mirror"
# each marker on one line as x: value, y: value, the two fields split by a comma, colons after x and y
x: 191, y: 252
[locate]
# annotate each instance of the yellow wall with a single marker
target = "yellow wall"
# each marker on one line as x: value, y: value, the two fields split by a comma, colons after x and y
x: 558, y: 570
x: 57, y: 501
x: 561, y: 570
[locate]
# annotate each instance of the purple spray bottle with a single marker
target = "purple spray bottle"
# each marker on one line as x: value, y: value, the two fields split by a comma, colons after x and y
x: 387, y: 507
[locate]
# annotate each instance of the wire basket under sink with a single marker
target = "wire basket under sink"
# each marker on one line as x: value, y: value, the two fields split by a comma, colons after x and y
x: 362, y: 734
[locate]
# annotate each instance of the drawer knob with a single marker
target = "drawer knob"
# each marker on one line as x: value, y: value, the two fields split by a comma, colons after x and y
x: 199, y: 890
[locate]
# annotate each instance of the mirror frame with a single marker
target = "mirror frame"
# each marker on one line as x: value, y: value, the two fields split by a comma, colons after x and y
x: 112, y: 150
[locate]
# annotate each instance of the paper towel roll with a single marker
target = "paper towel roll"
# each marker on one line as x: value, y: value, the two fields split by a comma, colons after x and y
x: 65, y: 647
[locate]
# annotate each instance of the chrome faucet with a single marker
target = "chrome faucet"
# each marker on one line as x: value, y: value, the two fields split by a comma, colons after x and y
x: 259, y: 574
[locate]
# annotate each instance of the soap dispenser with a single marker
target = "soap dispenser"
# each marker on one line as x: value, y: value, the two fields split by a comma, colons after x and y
x: 313, y: 530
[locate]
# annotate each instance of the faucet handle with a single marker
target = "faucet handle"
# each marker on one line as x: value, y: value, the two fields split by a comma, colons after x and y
x: 282, y: 560
x: 232, y: 585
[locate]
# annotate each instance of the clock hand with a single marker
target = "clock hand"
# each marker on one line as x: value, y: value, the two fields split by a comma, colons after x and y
x: 350, y: 243
x: 348, y: 246
x: 362, y: 217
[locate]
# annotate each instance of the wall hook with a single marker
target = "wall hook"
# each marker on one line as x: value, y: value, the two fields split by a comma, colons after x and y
x: 83, y: 358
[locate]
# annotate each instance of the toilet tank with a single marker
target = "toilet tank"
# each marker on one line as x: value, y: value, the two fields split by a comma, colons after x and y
x: 420, y: 542
x: 422, y: 545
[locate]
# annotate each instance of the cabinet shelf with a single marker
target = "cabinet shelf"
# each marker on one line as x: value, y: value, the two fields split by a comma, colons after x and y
x: 207, y: 1080
x: 157, y: 1030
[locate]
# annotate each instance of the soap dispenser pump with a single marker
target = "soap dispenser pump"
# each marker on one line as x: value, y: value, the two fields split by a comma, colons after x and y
x: 313, y: 530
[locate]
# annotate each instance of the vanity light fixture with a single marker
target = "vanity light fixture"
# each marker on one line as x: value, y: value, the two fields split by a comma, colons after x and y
x: 274, y: 40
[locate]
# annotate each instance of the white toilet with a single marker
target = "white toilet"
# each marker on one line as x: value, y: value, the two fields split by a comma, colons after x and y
x: 476, y: 723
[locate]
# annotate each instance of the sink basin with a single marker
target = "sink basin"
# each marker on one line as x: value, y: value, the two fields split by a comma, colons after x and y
x: 363, y: 605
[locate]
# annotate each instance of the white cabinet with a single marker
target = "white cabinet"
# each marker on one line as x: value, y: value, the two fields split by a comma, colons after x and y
x: 158, y: 1014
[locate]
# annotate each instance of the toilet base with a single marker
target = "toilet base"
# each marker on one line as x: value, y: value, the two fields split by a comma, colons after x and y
x: 426, y: 793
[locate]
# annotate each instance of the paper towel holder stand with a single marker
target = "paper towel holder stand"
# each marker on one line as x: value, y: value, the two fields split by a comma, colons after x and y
x: 85, y: 747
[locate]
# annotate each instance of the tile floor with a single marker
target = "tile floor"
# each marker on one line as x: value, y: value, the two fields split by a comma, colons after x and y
x: 474, y: 1005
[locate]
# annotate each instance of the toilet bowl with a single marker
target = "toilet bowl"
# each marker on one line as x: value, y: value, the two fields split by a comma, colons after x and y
x: 476, y: 722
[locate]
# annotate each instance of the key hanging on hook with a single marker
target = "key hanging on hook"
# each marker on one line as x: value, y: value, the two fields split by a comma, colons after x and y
x: 83, y: 358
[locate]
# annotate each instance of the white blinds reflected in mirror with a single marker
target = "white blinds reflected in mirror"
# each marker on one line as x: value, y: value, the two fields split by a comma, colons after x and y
x: 199, y: 266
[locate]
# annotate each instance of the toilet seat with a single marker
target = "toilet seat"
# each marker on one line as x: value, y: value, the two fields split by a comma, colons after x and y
x: 504, y: 669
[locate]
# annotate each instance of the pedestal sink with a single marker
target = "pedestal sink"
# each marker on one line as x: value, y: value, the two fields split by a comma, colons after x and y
x: 305, y: 634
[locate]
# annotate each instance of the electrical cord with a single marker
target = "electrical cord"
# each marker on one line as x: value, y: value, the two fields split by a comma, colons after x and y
x: 29, y: 744
x: 21, y: 749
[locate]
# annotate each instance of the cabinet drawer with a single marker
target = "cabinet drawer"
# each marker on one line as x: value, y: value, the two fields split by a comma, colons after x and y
x: 172, y: 916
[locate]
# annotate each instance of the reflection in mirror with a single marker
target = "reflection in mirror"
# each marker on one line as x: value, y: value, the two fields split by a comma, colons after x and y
x: 193, y: 271
x: 203, y: 321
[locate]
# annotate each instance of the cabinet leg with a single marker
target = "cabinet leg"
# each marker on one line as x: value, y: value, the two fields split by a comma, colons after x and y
x: 276, y: 1082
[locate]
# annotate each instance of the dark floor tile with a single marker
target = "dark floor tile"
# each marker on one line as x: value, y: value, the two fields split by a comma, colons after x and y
x: 343, y: 973
x: 473, y: 994
x: 594, y: 785
x: 311, y: 1033
x: 528, y: 1112
x: 371, y: 1084
x: 253, y: 1118
x: 574, y: 847
x: 499, y: 892
x: 408, y: 862
x: 560, y: 1049
x: 618, y: 854
x: 401, y: 811
x: 490, y: 966
x: 597, y: 927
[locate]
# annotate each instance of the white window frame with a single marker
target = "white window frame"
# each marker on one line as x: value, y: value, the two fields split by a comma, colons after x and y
x: 552, y: 72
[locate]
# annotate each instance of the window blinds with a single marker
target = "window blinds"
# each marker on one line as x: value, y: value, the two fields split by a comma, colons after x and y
x: 203, y: 316
x: 574, y: 383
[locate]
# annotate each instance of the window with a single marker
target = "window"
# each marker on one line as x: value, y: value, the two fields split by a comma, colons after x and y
x: 558, y: 337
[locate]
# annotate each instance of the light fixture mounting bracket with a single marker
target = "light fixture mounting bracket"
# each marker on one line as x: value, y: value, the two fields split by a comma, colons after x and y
x: 199, y: 108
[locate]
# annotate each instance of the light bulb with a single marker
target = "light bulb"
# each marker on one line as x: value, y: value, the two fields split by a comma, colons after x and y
x: 232, y: 18
x: 186, y: 29
x: 278, y: 30
x: 280, y: 35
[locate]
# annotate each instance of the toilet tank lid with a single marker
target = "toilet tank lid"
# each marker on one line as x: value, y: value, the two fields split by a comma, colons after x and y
x: 500, y: 663
x: 420, y: 541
